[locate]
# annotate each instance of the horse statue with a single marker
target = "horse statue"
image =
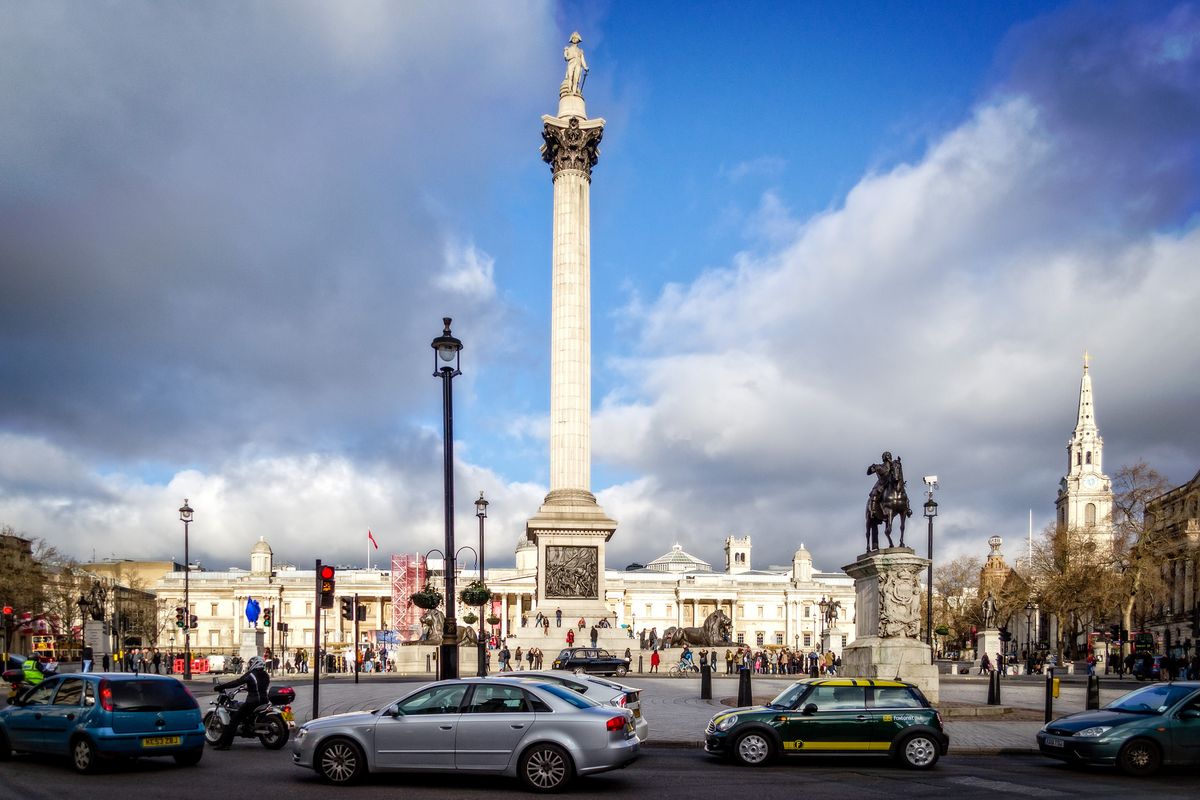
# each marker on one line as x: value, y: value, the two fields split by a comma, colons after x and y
x: 717, y: 629
x: 433, y: 625
x: 888, y: 500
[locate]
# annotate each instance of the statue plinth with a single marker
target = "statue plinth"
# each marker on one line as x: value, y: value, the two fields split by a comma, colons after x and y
x: 251, y: 644
x: 888, y: 620
x: 988, y: 641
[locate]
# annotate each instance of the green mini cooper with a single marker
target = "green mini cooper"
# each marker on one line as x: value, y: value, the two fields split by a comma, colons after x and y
x: 833, y: 716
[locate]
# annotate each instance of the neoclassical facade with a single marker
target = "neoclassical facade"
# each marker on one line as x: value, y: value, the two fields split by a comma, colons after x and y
x: 773, y: 606
x: 1175, y: 517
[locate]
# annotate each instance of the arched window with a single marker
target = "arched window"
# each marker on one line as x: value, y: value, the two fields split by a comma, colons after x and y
x: 1089, y: 515
x: 1088, y: 458
x: 1078, y: 458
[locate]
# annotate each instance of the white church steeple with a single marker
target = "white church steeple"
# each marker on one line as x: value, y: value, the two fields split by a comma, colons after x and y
x: 1085, y: 492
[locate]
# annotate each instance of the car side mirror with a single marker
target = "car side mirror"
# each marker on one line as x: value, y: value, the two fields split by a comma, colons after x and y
x: 811, y: 708
x: 1190, y: 713
x: 394, y: 711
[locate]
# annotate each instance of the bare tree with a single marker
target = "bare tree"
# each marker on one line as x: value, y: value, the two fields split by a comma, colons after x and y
x: 1138, y: 542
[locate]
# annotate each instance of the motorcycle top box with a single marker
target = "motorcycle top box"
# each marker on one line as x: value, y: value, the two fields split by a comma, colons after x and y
x: 281, y: 696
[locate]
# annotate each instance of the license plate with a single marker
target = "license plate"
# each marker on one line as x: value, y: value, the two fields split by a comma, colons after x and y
x: 1052, y: 741
x: 289, y: 716
x: 637, y: 712
x: 161, y: 741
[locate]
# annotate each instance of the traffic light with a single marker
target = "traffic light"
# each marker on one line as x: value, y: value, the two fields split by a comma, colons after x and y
x: 327, y: 586
x: 362, y: 613
x: 348, y: 608
x: 266, y: 618
x: 1005, y: 634
x: 179, y: 623
x: 8, y: 617
x: 1115, y: 632
x: 195, y: 624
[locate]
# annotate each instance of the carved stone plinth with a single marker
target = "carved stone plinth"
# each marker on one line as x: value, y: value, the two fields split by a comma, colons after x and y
x: 831, y: 641
x: 888, y: 620
x: 987, y: 641
x: 251, y: 644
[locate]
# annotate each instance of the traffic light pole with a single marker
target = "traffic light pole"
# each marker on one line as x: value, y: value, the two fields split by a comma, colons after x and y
x: 316, y: 672
x: 356, y: 637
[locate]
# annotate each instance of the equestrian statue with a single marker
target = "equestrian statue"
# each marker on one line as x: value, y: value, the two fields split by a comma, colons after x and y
x: 888, y: 500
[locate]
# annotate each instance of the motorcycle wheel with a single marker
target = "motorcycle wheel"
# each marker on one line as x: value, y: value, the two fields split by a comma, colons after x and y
x: 213, y: 728
x: 277, y: 733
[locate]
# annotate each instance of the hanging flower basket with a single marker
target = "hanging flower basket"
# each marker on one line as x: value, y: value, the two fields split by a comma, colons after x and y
x: 475, y: 594
x: 470, y: 618
x: 427, y: 598
x: 493, y: 620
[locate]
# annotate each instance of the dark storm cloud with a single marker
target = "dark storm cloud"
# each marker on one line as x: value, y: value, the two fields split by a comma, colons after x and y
x: 225, y: 229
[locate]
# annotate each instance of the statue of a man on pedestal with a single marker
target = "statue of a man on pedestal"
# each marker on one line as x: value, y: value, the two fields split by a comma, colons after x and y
x: 989, y: 611
x: 577, y: 67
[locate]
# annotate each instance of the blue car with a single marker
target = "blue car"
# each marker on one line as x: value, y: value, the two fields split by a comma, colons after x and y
x: 93, y: 716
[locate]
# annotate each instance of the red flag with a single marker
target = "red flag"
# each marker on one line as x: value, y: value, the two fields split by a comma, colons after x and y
x: 372, y: 539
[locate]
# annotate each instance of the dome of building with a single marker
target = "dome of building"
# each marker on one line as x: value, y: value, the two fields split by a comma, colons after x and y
x: 803, y: 553
x: 678, y: 561
x: 261, y: 546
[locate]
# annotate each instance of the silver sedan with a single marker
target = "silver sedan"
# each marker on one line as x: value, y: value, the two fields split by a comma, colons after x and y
x: 602, y: 690
x: 541, y: 733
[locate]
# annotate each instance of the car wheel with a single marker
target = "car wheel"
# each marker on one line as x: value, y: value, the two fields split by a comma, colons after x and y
x: 752, y: 749
x: 621, y: 671
x: 189, y: 758
x: 212, y: 728
x: 276, y: 735
x: 918, y: 751
x: 1140, y: 757
x: 84, y: 758
x: 545, y: 767
x: 341, y: 762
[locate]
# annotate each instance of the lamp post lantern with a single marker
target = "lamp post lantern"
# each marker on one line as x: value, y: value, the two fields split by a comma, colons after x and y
x: 185, y: 516
x: 446, y: 348
x: 481, y: 512
x: 931, y: 509
x: 824, y: 606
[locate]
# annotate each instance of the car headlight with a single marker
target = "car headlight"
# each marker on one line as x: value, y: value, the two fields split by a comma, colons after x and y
x: 300, y: 734
x: 725, y: 723
x: 1093, y: 732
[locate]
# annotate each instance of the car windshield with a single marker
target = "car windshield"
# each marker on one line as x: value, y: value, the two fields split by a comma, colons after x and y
x: 563, y: 693
x: 788, y: 697
x: 151, y: 695
x: 1151, y: 700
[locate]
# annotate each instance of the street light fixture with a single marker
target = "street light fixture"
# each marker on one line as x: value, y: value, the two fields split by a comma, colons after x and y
x: 931, y: 508
x: 185, y: 516
x: 481, y: 512
x: 447, y: 348
x: 1029, y: 609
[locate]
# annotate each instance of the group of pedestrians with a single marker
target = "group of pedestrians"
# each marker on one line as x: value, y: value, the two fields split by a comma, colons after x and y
x: 765, y: 661
x: 533, y: 656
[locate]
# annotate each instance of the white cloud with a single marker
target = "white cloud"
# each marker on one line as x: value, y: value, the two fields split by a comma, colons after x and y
x: 468, y: 271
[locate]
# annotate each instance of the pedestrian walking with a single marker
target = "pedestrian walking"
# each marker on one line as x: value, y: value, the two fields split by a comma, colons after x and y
x: 654, y: 661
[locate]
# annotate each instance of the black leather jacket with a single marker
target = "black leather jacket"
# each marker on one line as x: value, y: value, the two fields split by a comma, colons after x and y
x: 257, y: 683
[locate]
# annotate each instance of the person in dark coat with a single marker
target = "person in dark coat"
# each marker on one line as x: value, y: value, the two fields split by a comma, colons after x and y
x: 258, y: 686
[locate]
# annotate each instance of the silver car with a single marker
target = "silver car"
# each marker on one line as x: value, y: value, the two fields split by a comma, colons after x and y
x: 602, y: 690
x: 542, y: 733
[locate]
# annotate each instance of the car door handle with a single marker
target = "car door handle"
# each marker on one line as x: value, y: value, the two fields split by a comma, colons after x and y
x: 863, y: 718
x: 517, y: 727
x: 70, y: 717
x: 446, y: 727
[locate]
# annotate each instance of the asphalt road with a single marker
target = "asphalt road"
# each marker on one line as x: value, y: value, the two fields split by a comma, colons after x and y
x: 249, y: 770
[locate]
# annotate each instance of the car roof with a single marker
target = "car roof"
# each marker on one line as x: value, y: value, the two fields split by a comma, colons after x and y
x: 854, y: 682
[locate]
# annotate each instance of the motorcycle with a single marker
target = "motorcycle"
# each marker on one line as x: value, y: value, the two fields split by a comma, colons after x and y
x: 271, y: 722
x: 15, y: 678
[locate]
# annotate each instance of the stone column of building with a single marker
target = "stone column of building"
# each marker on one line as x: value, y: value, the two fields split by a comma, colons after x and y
x: 570, y: 529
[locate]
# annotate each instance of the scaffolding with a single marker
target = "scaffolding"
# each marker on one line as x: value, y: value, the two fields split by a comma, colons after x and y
x: 408, y: 576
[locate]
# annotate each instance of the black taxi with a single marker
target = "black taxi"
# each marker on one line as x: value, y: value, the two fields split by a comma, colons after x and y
x: 833, y: 716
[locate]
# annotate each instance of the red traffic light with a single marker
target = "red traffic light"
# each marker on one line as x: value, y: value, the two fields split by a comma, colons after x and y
x: 8, y: 609
x: 326, y: 573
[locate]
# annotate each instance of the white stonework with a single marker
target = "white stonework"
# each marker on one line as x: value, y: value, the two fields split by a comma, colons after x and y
x: 1084, y: 501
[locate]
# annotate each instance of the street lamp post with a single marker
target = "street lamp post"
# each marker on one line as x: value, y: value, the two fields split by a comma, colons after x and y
x: 185, y: 516
x: 447, y: 348
x: 931, y: 508
x: 481, y: 512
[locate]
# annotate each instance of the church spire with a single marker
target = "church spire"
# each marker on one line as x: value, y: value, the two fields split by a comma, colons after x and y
x: 1086, y: 422
x: 1085, y: 492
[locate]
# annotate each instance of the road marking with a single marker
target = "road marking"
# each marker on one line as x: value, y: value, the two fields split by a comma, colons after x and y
x: 1006, y: 786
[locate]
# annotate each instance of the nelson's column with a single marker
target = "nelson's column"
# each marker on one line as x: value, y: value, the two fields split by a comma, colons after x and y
x: 570, y: 529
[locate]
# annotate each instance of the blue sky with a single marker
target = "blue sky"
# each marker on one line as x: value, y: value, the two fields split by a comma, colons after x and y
x: 228, y: 234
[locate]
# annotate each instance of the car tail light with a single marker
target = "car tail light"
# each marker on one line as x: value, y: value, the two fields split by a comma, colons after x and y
x: 621, y: 700
x: 616, y: 724
x: 106, y: 696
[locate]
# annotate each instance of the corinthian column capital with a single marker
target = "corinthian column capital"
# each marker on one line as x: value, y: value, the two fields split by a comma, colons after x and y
x: 571, y: 145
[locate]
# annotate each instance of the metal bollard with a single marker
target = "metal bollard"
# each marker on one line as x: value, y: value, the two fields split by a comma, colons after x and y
x: 991, y: 700
x: 1093, y: 692
x: 705, y: 683
x: 1050, y: 687
x: 428, y: 663
x: 745, y: 692
x: 997, y: 676
x: 639, y: 664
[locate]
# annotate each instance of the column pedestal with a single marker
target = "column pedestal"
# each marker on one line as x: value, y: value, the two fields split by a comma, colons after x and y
x: 887, y: 609
x: 987, y: 641
x: 251, y: 645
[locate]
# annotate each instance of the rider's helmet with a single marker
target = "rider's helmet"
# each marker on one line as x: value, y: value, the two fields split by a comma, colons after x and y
x: 254, y: 663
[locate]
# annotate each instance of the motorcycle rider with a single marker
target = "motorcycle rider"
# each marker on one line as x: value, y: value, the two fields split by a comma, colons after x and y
x: 257, y: 683
x: 31, y: 670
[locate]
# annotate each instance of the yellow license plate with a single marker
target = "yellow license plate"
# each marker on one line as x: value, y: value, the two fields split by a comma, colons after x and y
x: 289, y: 716
x: 637, y: 712
x: 161, y: 741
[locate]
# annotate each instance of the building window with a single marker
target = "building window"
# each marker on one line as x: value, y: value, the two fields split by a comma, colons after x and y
x: 779, y: 638
x: 758, y: 638
x: 807, y: 611
x: 741, y: 638
x: 807, y: 639
x: 843, y: 640
x: 214, y: 638
x: 308, y: 611
x: 778, y: 611
x: 760, y: 615
x: 670, y: 609
x: 1089, y: 515
x: 215, y: 609
x: 1088, y: 459
x: 649, y: 613
x: 1079, y: 459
